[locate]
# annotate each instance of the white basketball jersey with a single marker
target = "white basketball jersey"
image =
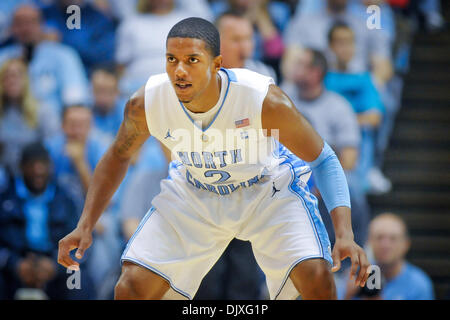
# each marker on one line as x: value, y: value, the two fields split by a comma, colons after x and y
x: 229, y: 153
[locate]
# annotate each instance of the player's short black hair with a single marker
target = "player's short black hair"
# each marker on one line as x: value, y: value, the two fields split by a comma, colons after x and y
x: 337, y: 25
x: 197, y: 28
x: 34, y: 151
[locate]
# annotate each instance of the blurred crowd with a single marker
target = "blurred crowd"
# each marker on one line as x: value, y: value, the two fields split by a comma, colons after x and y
x: 63, y: 87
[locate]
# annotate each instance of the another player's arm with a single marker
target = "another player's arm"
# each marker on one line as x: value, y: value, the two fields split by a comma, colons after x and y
x: 107, y: 177
x: 295, y: 133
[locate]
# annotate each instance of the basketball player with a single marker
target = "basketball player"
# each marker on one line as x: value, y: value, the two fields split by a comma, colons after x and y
x: 212, y: 196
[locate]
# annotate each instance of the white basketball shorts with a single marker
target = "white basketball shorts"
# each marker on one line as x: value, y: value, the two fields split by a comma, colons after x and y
x: 187, y: 230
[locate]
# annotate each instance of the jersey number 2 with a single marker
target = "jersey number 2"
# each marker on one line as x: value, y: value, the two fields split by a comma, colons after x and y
x: 224, y: 176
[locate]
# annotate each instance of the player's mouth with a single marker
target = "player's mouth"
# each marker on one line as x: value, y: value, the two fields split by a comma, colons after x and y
x: 183, y: 86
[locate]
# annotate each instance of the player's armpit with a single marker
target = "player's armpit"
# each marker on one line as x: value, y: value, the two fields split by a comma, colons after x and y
x: 295, y: 132
x: 133, y: 131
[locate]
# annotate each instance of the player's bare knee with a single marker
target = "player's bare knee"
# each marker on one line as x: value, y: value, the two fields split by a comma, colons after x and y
x: 321, y: 271
x: 125, y: 289
x: 315, y: 278
x: 138, y: 283
x: 321, y: 274
x: 323, y: 279
x: 127, y: 286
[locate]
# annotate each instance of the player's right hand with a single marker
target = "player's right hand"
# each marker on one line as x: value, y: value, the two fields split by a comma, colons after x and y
x: 78, y: 239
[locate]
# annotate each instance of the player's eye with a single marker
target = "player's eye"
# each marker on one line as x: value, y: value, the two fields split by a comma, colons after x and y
x: 193, y: 60
x: 170, y: 59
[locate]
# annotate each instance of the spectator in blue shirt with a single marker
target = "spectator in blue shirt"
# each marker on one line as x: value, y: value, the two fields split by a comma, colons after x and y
x: 108, y: 106
x: 56, y: 72
x: 76, y: 151
x: 35, y: 213
x: 94, y: 41
x: 389, y: 242
x: 359, y: 89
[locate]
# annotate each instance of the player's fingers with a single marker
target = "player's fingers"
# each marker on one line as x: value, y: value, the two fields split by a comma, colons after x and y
x: 363, y: 267
x: 336, y: 261
x: 61, y: 252
x: 68, y: 262
x: 368, y: 273
x: 64, y: 258
x: 355, y: 264
x: 85, y: 243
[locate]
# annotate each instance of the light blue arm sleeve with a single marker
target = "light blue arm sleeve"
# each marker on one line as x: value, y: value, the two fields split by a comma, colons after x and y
x: 330, y: 179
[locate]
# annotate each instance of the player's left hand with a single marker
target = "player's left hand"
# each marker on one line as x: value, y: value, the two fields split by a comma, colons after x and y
x: 347, y: 248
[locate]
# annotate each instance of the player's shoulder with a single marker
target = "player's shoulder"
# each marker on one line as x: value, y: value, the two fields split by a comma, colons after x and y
x: 248, y: 79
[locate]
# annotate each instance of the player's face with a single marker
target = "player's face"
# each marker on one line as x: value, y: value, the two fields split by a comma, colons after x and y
x: 191, y: 68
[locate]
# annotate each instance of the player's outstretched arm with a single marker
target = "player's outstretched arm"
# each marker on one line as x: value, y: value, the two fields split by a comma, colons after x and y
x: 296, y: 134
x: 107, y: 177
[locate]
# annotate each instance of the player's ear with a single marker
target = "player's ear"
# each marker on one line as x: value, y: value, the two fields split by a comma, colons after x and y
x: 217, y: 62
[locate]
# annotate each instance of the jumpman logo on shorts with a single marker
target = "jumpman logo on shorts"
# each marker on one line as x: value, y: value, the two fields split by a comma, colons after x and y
x: 274, y: 189
x: 168, y: 135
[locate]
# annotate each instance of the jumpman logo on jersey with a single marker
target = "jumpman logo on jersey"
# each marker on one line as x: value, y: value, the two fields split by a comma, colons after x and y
x: 168, y: 135
x: 274, y: 189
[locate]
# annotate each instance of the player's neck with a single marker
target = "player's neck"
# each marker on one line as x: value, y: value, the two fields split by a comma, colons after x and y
x: 208, y: 98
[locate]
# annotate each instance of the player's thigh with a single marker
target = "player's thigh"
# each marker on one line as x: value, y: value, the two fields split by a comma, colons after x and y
x: 288, y: 232
x: 137, y: 282
x: 285, y: 230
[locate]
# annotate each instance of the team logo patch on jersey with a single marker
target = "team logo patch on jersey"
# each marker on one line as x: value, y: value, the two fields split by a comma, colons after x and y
x: 242, y: 123
x: 168, y: 135
x: 274, y: 189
